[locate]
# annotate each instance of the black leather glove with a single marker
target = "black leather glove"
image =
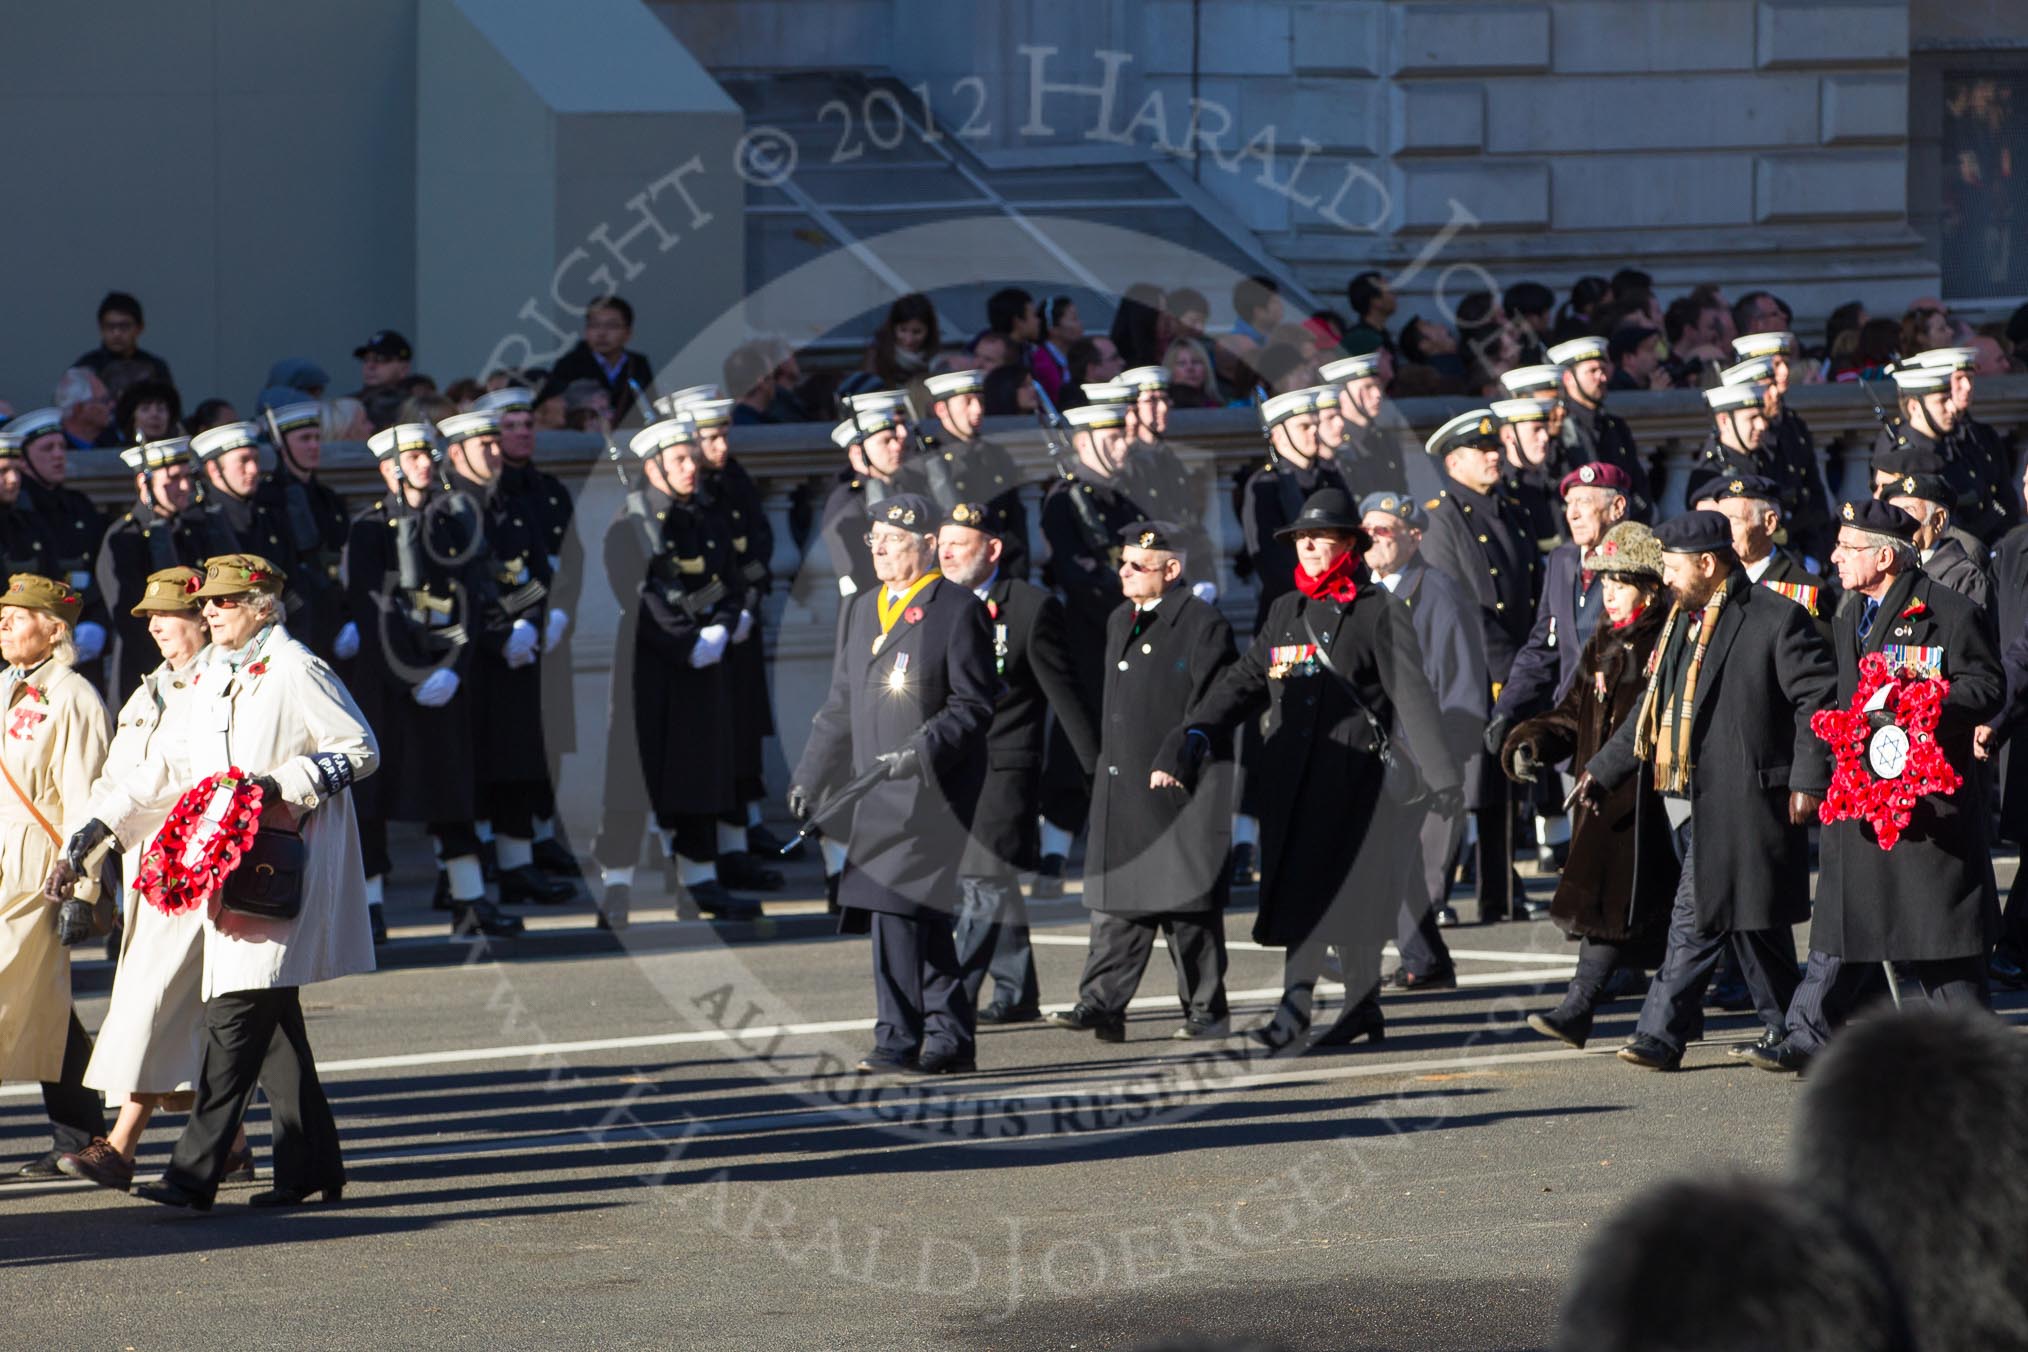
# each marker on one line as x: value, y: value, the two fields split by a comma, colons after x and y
x: 86, y: 839
x: 799, y: 803
x: 902, y: 764
x: 1521, y: 766
x: 271, y: 792
x: 73, y: 923
x: 1496, y: 733
x: 1448, y: 803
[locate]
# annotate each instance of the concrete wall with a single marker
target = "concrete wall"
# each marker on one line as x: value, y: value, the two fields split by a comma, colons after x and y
x: 246, y: 168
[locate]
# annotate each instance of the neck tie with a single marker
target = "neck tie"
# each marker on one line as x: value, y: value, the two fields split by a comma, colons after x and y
x: 1866, y: 614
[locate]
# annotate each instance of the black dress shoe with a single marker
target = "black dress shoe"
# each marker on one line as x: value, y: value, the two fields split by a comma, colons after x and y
x: 740, y: 869
x: 296, y: 1196
x: 1245, y: 866
x: 944, y: 1063
x: 1275, y: 1037
x: 526, y: 885
x: 42, y: 1166
x: 171, y: 1194
x: 1402, y: 979
x: 440, y: 899
x: 1564, y: 1025
x: 553, y: 856
x: 378, y: 923
x: 1004, y: 1013
x: 483, y: 917
x: 614, y: 906
x: 1649, y: 1054
x: 1203, y: 1030
x: 767, y: 845
x: 1784, y: 1057
x: 884, y: 1063
x: 1532, y: 910
x: 713, y: 900
x: 1767, y: 1040
x: 831, y: 906
x: 1048, y: 884
x: 1361, y: 1020
x: 1082, y: 1018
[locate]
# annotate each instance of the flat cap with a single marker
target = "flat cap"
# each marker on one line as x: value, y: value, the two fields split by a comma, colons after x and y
x: 172, y: 591
x: 51, y: 596
x: 238, y: 574
x: 1878, y: 517
x: 1701, y: 532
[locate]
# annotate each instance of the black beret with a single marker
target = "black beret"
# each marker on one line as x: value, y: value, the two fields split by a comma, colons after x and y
x: 1907, y: 460
x: 1151, y: 535
x: 1695, y: 533
x: 910, y: 511
x: 972, y: 516
x: 1878, y: 517
x: 1741, y: 486
x: 1928, y: 487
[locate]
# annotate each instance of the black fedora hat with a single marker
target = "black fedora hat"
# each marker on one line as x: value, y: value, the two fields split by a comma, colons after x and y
x: 1327, y: 509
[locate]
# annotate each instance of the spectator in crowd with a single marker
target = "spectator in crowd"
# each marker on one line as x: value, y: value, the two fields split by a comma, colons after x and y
x: 1924, y: 327
x: 905, y: 342
x: 587, y: 407
x: 761, y: 375
x: 1092, y: 361
x: 1637, y: 360
x: 602, y: 355
x: 147, y: 410
x: 1373, y: 303
x: 87, y: 410
x: 1191, y: 382
x: 1137, y: 325
x: 1574, y: 318
x: 1479, y: 319
x: 1430, y: 343
x: 385, y: 360
x: 1189, y: 312
x: 298, y: 373
x: 1633, y: 289
x: 1992, y: 359
x: 1847, y: 318
x: 216, y: 412
x: 345, y: 420
x: 989, y: 349
x: 1011, y: 313
x: 1761, y: 312
x: 1529, y: 306
x: 1050, y: 361
x: 1257, y: 301
x: 549, y: 410
x: 1009, y: 391
x: 1875, y: 345
x: 1693, y: 326
x: 120, y: 330
x: 1711, y: 293
x: 463, y: 391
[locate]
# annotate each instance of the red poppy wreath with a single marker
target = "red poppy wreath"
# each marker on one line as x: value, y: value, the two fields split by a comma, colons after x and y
x: 192, y: 855
x: 1886, y: 749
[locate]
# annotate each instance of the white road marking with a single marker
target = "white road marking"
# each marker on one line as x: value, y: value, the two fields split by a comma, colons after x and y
x: 1247, y: 946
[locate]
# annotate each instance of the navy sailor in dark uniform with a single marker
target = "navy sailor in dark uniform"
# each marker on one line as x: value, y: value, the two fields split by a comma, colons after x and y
x: 1939, y: 550
x: 1723, y: 732
x: 315, y: 522
x: 1791, y: 451
x: 1155, y: 861
x: 912, y: 692
x: 1588, y: 435
x: 959, y: 465
x: 73, y: 522
x: 1037, y: 681
x: 1376, y: 443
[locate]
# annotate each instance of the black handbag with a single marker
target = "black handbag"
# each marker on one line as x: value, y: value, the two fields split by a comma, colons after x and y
x: 268, y: 880
x: 1401, y: 780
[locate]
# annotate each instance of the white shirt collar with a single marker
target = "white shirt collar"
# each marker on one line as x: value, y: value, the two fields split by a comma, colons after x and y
x: 1391, y: 581
x: 986, y: 586
x: 1755, y: 570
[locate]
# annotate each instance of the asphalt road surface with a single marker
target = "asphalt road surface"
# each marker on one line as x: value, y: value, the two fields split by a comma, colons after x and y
x: 656, y: 1146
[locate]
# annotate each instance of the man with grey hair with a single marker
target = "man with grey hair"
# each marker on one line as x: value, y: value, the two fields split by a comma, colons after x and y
x: 1749, y: 502
x: 86, y: 411
x: 1928, y: 498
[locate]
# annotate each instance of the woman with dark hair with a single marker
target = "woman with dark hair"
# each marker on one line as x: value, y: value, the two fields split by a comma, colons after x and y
x: 1879, y: 342
x: 1574, y: 318
x: 149, y: 410
x: 1596, y: 901
x: 213, y: 412
x: 1009, y: 391
x: 1061, y: 326
x: 1137, y: 325
x: 904, y: 345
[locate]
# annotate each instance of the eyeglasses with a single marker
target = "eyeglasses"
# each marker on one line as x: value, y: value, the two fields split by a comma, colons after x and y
x: 1128, y: 565
x: 221, y: 602
x: 892, y: 541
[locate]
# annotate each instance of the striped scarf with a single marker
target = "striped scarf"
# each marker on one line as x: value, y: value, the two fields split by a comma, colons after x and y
x: 1663, y: 735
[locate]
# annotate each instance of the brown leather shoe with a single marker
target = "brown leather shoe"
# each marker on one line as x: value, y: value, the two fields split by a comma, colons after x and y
x: 98, y: 1163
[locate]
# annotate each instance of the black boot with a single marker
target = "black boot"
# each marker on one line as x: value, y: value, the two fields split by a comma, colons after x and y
x: 1361, y: 1020
x: 553, y: 856
x: 1566, y: 1023
x: 1245, y: 865
x: 831, y: 906
x: 440, y: 900
x: 483, y: 917
x: 378, y: 922
x: 713, y: 900
x: 1048, y: 879
x: 613, y: 908
x: 526, y: 885
x: 742, y: 870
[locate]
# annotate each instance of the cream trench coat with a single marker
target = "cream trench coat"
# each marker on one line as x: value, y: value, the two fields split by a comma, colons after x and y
x: 53, y: 738
x: 152, y: 1039
x: 283, y: 713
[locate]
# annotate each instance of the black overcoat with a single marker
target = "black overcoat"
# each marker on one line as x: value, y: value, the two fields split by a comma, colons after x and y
x: 929, y: 687
x: 1475, y: 540
x: 1159, y: 852
x: 737, y: 498
x: 507, y: 701
x: 315, y: 523
x: 1033, y: 660
x: 541, y: 502
x: 1765, y: 672
x: 1319, y: 776
x: 1931, y: 896
x: 1273, y: 497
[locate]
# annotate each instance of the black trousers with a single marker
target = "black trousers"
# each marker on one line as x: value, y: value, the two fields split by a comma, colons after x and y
x: 512, y: 805
x: 76, y: 1114
x: 1424, y: 877
x: 1832, y: 989
x: 1118, y: 958
x: 257, y: 1037
x: 1673, y: 1013
x: 992, y: 938
x: 455, y: 839
x: 373, y: 845
x: 623, y: 833
x: 1597, y: 960
x: 918, y: 989
x: 1495, y: 851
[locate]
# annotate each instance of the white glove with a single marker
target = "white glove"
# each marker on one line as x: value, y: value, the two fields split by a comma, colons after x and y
x: 744, y: 627
x: 346, y: 645
x: 521, y: 640
x: 711, y: 641
x: 89, y: 640
x: 437, y: 688
x: 553, y: 632
x: 1206, y: 592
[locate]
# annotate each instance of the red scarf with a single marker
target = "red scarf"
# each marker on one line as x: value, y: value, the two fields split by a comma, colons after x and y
x: 1631, y: 618
x: 1339, y: 582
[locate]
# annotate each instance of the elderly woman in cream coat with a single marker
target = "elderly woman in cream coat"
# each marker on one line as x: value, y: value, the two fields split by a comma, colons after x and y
x: 152, y: 1040
x: 264, y: 703
x: 52, y: 742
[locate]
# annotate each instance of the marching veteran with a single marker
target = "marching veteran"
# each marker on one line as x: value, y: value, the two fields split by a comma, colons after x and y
x: 52, y: 742
x: 264, y: 704
x: 152, y: 1040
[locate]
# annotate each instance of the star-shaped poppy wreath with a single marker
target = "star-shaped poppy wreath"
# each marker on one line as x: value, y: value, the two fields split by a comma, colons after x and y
x: 1900, y: 709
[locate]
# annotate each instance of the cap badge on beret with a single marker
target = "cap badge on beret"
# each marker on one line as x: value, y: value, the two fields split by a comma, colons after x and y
x: 1587, y: 474
x: 1848, y: 511
x: 1908, y: 484
x: 1737, y: 486
x: 966, y: 514
x: 1146, y: 540
x: 1387, y: 504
